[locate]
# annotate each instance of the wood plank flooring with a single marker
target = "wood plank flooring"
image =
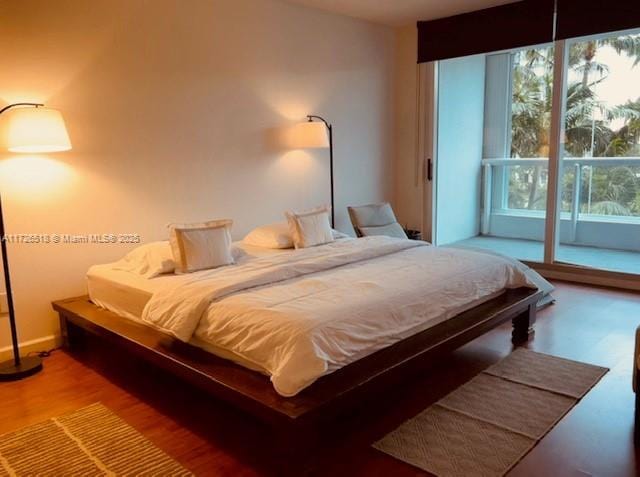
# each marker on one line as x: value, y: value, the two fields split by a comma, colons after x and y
x: 588, y: 324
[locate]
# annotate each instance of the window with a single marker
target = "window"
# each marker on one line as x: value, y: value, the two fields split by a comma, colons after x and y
x: 599, y: 190
x: 531, y: 96
x: 601, y: 154
x: 602, y: 124
x: 537, y: 152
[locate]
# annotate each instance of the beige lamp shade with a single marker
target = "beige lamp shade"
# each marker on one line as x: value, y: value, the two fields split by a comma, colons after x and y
x: 35, y: 130
x: 309, y: 135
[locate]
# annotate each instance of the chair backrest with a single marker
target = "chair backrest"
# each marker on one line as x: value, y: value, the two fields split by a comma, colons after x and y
x: 375, y: 219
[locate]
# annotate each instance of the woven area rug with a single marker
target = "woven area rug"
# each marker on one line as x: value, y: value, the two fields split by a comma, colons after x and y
x: 90, y: 442
x: 486, y: 426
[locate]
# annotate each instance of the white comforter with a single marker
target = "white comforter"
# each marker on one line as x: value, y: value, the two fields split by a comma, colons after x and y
x: 301, y: 315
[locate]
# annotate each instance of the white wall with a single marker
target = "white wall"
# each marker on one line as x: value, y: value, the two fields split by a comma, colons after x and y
x: 171, y: 107
x: 460, y: 132
x: 408, y: 186
x: 599, y: 232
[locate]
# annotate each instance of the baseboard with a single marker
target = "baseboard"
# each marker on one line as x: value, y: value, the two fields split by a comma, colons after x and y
x: 40, y: 344
x: 576, y: 274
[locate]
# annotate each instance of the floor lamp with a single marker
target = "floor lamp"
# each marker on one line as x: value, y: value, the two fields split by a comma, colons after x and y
x: 29, y: 128
x: 317, y: 134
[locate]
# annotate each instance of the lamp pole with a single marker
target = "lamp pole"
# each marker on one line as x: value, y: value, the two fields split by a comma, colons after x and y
x: 36, y: 105
x: 330, y: 129
x: 20, y: 367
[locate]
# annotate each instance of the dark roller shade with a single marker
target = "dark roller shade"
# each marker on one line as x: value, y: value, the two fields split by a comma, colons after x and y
x: 524, y: 23
x: 589, y: 17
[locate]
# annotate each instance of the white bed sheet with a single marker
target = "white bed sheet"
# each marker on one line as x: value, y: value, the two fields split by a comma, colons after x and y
x: 121, y: 292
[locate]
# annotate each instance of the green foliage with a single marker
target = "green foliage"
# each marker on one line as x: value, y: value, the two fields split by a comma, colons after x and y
x: 635, y: 207
x: 608, y: 207
x: 521, y: 193
x: 612, y: 190
x: 531, y: 102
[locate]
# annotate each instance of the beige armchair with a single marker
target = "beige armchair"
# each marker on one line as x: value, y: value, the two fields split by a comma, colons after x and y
x: 375, y: 219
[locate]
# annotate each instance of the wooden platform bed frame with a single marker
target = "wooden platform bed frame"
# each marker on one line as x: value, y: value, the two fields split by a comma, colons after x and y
x: 327, y: 397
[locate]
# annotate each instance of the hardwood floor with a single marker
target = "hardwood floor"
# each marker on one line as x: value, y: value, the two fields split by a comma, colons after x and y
x: 588, y: 324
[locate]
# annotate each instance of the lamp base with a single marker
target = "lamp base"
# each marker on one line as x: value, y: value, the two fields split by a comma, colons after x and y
x: 28, y: 366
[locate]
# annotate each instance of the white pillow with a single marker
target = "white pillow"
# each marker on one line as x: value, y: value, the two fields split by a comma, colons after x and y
x: 275, y: 235
x: 149, y: 260
x: 310, y: 228
x: 201, y: 246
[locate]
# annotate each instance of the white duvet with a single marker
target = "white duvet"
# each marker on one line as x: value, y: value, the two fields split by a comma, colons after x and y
x: 301, y: 315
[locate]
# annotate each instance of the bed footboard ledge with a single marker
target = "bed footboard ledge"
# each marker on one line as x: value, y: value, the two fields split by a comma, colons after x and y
x: 330, y: 395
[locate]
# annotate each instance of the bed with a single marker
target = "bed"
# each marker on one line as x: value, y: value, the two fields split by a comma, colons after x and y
x: 292, y: 336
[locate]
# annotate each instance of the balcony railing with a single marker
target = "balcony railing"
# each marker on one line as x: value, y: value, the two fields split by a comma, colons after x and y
x: 491, y: 168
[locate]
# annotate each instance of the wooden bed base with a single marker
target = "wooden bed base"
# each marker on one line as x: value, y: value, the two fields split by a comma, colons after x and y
x: 327, y: 397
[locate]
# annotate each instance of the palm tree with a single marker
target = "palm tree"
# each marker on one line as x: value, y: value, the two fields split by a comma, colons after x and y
x: 626, y: 140
x: 531, y: 113
x: 532, y: 87
x: 582, y: 54
x: 585, y: 135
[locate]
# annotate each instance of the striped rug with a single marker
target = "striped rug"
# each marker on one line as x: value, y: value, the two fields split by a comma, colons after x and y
x: 89, y: 442
x: 486, y: 426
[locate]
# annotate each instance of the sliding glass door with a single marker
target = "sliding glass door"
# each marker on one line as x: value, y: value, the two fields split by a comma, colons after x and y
x: 599, y: 196
x: 516, y: 181
x: 493, y: 129
x: 537, y: 152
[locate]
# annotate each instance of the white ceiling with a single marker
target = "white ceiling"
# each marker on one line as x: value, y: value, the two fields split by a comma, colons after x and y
x: 399, y: 12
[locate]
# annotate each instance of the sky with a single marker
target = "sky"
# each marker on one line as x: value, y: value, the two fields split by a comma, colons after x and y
x: 622, y: 83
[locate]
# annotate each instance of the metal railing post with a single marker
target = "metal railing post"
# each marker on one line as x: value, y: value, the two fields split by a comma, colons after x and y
x: 575, y: 204
x: 485, y: 224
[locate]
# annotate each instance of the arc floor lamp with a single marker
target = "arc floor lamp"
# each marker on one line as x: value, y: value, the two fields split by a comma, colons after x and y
x: 29, y: 128
x: 317, y: 132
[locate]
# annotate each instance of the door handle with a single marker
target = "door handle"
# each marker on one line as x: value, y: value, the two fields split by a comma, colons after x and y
x: 429, y: 170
